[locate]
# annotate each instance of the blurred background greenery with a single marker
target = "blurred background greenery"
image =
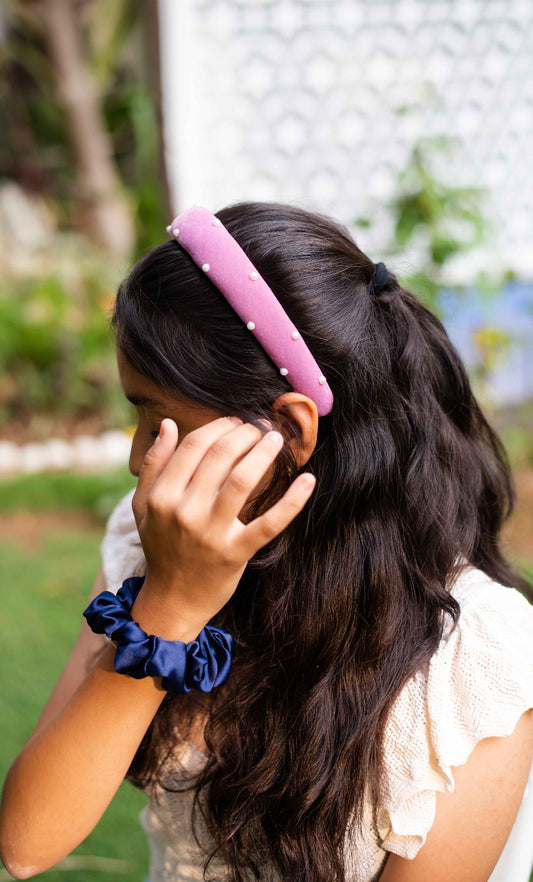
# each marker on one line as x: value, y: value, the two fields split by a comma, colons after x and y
x: 80, y: 197
x: 72, y: 217
x: 82, y: 194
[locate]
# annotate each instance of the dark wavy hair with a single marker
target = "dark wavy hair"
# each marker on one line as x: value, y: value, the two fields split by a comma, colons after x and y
x: 335, y: 615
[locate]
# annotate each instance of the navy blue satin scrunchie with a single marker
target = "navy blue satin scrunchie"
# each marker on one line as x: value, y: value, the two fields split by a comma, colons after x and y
x: 201, y: 664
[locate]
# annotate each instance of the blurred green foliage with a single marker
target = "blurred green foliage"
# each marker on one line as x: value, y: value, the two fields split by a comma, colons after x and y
x: 35, y: 148
x: 438, y: 221
x: 516, y: 432
x: 435, y: 222
x: 57, y: 349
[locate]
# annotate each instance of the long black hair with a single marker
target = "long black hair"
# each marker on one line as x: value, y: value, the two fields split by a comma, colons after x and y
x: 337, y: 613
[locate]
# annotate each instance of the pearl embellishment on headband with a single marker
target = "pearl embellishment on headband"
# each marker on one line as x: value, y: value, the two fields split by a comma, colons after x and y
x: 211, y: 246
x: 169, y: 228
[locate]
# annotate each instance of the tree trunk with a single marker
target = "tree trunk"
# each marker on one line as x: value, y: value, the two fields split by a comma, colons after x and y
x: 107, y: 215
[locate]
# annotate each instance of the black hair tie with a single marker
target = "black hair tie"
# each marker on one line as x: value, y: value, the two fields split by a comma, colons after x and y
x: 381, y: 278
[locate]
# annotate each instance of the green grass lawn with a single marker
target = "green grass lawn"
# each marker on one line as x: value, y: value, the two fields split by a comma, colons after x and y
x: 43, y: 594
x: 96, y: 494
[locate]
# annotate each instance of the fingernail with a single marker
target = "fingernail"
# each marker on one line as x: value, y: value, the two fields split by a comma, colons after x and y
x: 235, y: 420
x: 275, y: 438
x: 268, y: 426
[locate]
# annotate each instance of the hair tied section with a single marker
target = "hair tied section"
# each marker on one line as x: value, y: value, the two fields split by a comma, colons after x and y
x: 380, y: 279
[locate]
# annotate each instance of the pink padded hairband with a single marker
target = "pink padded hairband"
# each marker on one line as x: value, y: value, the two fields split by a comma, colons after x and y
x: 215, y: 250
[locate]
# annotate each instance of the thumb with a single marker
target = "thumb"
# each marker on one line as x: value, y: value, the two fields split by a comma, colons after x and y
x: 154, y: 462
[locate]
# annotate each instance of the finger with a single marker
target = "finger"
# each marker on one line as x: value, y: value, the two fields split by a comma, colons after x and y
x: 153, y: 465
x: 243, y: 478
x: 182, y: 466
x: 267, y: 526
x: 220, y: 459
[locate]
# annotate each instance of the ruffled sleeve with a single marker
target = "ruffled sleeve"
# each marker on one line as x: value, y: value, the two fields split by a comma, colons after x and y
x: 121, y: 548
x: 477, y: 685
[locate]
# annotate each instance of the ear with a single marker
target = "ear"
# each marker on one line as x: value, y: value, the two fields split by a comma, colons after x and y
x: 298, y: 419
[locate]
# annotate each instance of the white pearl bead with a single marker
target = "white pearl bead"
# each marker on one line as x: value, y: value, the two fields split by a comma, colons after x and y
x: 206, y: 267
x: 251, y: 326
x: 216, y: 222
x: 175, y: 232
x: 321, y: 380
x: 283, y: 372
x: 295, y: 335
x: 169, y: 228
x: 254, y: 276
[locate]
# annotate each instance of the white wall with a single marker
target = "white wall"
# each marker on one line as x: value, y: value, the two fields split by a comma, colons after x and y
x: 319, y: 102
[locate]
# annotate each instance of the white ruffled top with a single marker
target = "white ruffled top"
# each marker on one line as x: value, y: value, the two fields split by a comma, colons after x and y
x: 477, y: 685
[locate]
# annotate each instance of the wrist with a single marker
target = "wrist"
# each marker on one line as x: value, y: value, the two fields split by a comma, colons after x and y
x: 183, y: 662
x: 158, y: 611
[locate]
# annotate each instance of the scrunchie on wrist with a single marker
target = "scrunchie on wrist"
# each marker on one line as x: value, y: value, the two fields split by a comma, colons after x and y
x: 201, y: 664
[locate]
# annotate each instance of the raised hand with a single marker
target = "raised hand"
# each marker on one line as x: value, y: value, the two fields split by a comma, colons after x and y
x: 187, y: 504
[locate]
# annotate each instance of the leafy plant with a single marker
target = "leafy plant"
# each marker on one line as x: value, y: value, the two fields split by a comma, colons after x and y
x: 57, y: 351
x: 436, y: 221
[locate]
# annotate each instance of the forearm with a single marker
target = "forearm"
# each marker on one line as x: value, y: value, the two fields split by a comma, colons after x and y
x: 81, y: 661
x: 63, y: 780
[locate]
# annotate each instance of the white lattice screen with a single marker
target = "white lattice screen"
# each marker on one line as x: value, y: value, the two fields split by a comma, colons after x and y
x: 302, y: 102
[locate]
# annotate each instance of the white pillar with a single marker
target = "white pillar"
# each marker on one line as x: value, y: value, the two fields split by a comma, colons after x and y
x: 181, y: 92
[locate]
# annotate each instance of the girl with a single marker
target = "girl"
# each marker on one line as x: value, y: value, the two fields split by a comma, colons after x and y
x: 318, y: 483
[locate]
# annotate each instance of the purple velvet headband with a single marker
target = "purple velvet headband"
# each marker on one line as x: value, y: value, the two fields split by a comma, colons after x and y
x: 215, y: 250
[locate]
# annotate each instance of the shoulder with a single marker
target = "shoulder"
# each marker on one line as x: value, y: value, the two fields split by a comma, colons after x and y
x: 477, y: 685
x: 121, y: 549
x: 480, y: 597
x: 481, y: 676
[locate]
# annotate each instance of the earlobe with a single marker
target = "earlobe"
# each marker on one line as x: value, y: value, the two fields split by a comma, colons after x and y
x: 298, y: 418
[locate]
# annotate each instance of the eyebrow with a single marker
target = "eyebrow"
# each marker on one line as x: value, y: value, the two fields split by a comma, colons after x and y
x: 144, y: 401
